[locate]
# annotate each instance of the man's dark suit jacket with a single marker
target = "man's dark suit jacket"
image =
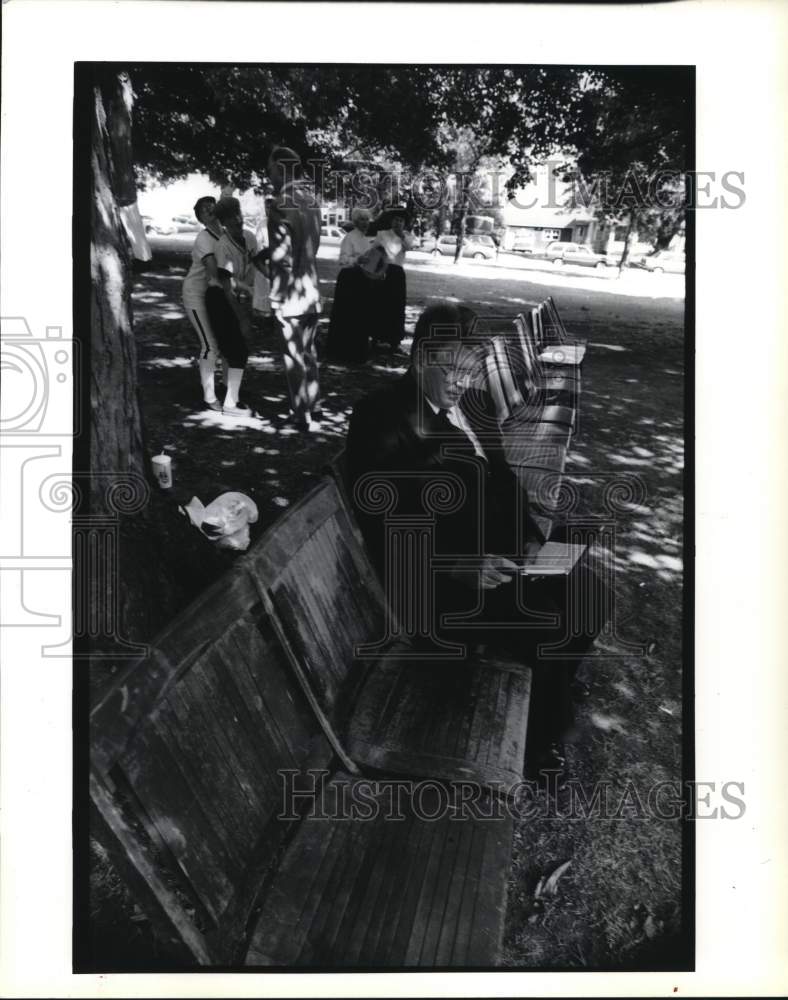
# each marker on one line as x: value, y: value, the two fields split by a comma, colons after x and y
x: 395, y: 433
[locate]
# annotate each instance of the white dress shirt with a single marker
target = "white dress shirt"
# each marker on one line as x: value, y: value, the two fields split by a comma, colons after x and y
x: 456, y: 417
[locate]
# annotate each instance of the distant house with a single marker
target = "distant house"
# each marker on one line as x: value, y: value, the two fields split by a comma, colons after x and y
x: 533, y: 228
x: 331, y: 213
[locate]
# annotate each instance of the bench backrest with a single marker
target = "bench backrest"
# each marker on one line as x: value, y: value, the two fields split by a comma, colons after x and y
x: 323, y: 595
x: 554, y: 325
x: 525, y: 338
x: 188, y: 747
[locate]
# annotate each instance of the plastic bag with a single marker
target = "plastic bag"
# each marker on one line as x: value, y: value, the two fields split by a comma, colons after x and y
x: 225, y: 521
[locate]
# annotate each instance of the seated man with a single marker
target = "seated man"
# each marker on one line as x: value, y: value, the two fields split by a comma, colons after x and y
x: 427, y: 450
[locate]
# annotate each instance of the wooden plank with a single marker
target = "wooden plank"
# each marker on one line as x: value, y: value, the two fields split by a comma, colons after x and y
x: 325, y: 722
x: 266, y: 683
x: 181, y: 822
x: 257, y: 730
x: 361, y: 933
x: 137, y: 863
x: 489, y: 913
x: 564, y: 336
x: 440, y: 889
x: 208, y: 777
x: 563, y: 354
x: 402, y: 701
x: 390, y: 930
x: 133, y: 694
x: 409, y: 896
x: 296, y: 894
x: 231, y: 733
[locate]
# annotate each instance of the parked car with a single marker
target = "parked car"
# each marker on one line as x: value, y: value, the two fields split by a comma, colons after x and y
x: 480, y: 247
x: 186, y: 224
x: 575, y: 253
x: 175, y: 224
x: 664, y: 262
x: 158, y: 227
x: 331, y: 234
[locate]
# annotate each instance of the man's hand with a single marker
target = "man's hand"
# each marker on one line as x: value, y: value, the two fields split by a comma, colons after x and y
x: 493, y: 571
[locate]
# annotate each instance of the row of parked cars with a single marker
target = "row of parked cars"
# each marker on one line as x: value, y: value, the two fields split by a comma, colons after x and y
x: 560, y: 253
x: 477, y: 246
x: 168, y: 227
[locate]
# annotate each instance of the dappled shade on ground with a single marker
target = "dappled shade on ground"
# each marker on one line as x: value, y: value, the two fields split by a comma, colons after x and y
x: 618, y: 904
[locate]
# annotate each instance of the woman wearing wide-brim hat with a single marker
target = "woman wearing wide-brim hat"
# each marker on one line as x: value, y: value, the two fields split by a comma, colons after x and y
x: 391, y: 236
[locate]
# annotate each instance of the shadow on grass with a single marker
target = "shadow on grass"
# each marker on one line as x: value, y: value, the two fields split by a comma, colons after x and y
x: 618, y: 905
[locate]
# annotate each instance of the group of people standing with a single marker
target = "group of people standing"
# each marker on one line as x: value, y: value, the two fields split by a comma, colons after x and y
x: 230, y: 275
x: 369, y: 299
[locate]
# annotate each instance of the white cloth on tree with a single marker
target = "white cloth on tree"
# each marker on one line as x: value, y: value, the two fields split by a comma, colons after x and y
x: 135, y: 230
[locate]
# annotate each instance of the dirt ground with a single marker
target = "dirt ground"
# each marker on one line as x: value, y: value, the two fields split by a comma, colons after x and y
x: 618, y: 903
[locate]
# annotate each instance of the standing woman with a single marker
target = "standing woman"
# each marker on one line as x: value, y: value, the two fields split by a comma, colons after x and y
x: 202, y: 272
x: 349, y: 328
x: 294, y: 236
x: 395, y: 241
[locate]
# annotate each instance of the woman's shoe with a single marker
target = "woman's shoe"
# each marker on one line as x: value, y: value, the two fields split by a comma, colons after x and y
x: 213, y: 405
x: 239, y: 410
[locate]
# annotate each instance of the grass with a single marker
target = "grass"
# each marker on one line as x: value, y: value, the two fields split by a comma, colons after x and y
x: 618, y: 904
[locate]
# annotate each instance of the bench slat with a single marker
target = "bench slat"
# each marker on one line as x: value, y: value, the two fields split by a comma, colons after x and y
x: 442, y: 720
x: 422, y: 877
x: 181, y: 821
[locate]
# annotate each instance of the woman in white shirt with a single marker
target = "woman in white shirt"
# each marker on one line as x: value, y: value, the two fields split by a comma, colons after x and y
x: 352, y: 314
x: 393, y: 238
x: 195, y: 285
x: 356, y: 242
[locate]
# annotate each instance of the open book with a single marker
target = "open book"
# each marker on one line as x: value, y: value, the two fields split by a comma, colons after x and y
x: 552, y: 559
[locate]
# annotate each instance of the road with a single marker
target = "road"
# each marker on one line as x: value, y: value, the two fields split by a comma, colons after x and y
x: 510, y: 267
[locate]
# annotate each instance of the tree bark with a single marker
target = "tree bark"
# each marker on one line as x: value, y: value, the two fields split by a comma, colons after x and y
x: 627, y: 241
x: 116, y: 428
x: 460, y: 232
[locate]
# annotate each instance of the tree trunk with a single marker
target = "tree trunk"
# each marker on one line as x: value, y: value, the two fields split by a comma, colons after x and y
x: 461, y: 231
x: 116, y: 427
x: 627, y: 241
x: 667, y: 230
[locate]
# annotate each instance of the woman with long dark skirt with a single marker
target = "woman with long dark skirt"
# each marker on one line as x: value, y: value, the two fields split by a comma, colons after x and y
x: 390, y: 312
x: 351, y: 319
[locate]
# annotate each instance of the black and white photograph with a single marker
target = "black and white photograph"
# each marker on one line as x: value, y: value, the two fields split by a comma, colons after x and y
x: 394, y: 360
x: 375, y: 441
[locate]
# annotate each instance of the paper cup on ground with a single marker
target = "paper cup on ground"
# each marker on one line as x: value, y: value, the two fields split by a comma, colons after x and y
x: 162, y: 470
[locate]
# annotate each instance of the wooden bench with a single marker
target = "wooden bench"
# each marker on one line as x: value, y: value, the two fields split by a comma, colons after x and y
x: 382, y: 703
x: 291, y: 674
x: 256, y: 684
x: 554, y: 345
x: 536, y: 399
